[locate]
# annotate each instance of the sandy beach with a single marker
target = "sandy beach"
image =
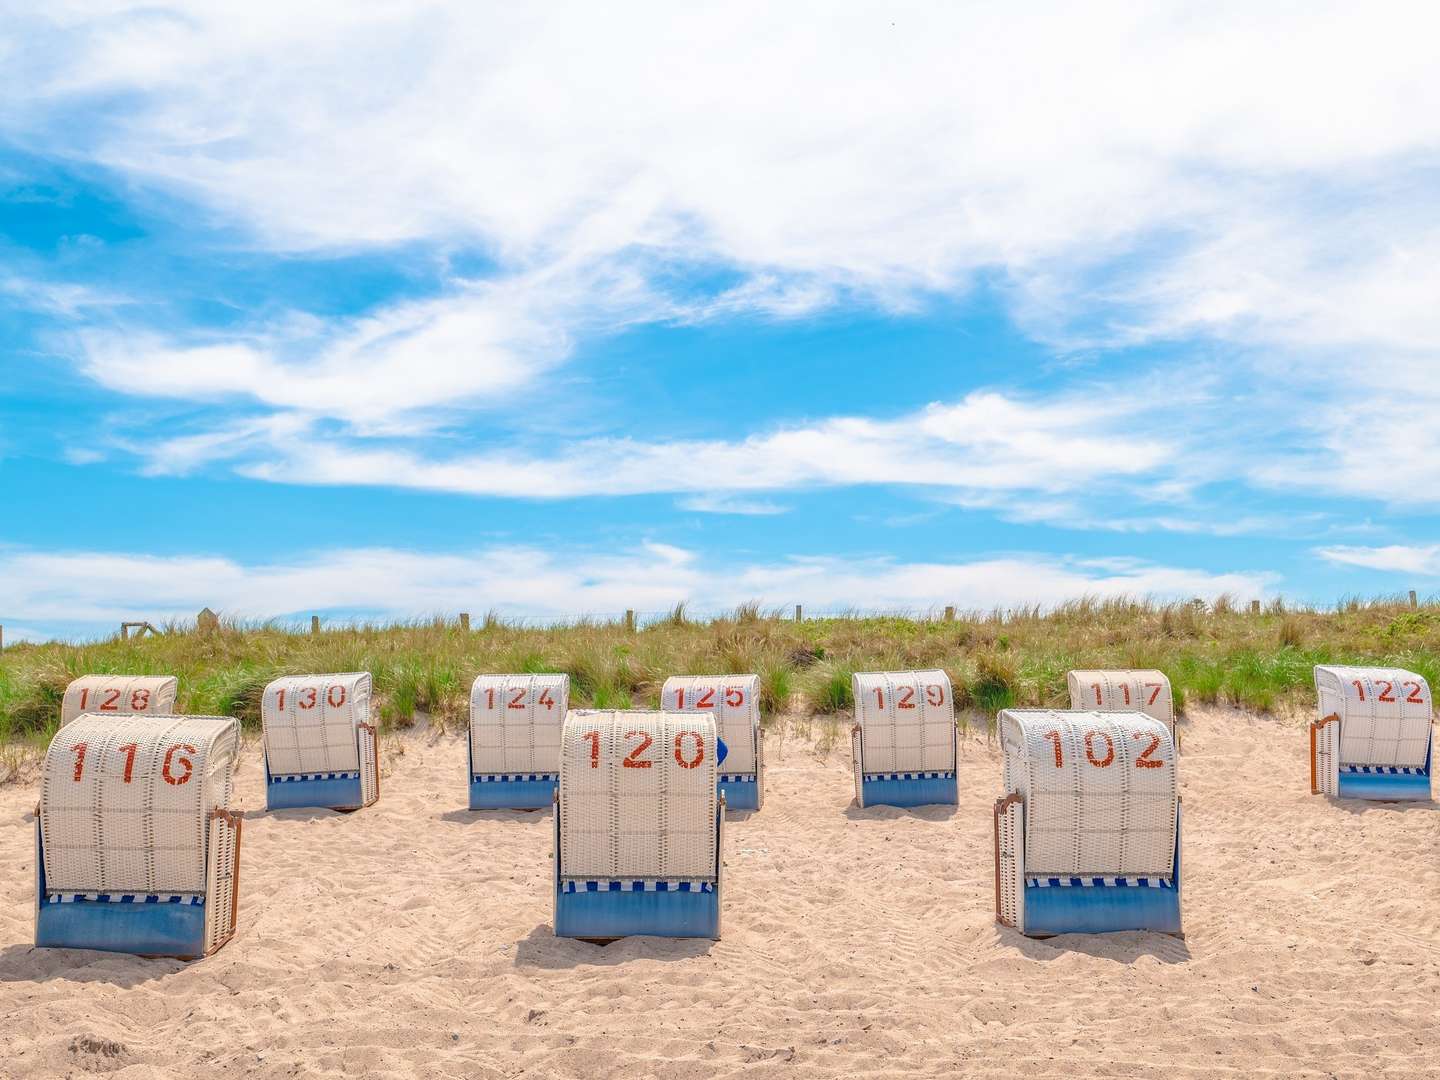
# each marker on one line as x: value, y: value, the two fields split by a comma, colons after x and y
x: 414, y: 939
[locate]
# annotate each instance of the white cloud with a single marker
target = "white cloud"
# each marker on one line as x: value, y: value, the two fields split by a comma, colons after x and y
x: 725, y: 504
x: 1395, y: 558
x: 95, y: 587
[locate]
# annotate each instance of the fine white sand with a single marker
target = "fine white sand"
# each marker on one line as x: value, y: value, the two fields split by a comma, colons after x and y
x: 414, y: 939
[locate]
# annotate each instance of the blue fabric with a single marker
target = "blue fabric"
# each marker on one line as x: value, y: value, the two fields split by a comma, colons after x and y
x: 612, y: 913
x: 741, y: 794
x: 324, y: 794
x: 1091, y: 909
x: 934, y: 791
x: 512, y: 794
x: 721, y: 751
x: 1385, y: 787
x: 143, y: 929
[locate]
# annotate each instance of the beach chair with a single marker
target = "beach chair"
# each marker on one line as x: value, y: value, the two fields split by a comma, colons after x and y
x: 1087, y: 835
x: 734, y: 702
x: 515, y: 724
x: 1373, y: 738
x: 137, y: 845
x: 321, y: 748
x: 638, y: 826
x: 904, y: 742
x: 1124, y: 691
x: 119, y: 695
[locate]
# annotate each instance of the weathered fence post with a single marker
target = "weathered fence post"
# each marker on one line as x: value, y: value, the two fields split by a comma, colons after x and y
x: 799, y: 613
x: 1414, y: 600
x: 949, y: 614
x: 630, y: 619
x: 207, y: 622
x: 2, y: 638
x: 1254, y: 607
x: 465, y: 621
x: 314, y: 624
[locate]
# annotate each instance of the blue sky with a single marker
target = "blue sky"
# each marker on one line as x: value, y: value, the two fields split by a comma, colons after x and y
x: 386, y: 310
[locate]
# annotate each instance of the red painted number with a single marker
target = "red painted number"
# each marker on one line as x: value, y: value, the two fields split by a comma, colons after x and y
x: 129, y: 750
x: 546, y: 699
x: 1388, y: 694
x: 314, y: 697
x: 1099, y: 700
x: 1144, y: 761
x: 1414, y: 697
x: 699, y: 749
x: 1155, y: 689
x: 1125, y: 689
x: 108, y: 705
x: 594, y: 737
x: 140, y: 701
x: 706, y: 700
x: 280, y: 699
x: 185, y: 763
x: 632, y: 760
x: 84, y: 697
x: 518, y: 701
x: 79, y: 751
x: 1359, y: 688
x: 1054, y: 736
x: 879, y: 697
x: 734, y: 697
x: 935, y: 694
x: 1108, y: 759
x: 906, y: 698
x: 332, y: 700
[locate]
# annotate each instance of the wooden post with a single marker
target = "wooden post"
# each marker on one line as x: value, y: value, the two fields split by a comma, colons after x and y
x: 949, y: 614
x: 799, y: 613
x: 314, y: 624
x: 207, y: 622
x: 630, y: 619
x: 124, y: 631
x: 1254, y: 607
x: 2, y: 639
x: 465, y: 621
x: 1414, y: 600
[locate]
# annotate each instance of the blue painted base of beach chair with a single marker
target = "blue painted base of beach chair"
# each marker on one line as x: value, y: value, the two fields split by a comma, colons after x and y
x: 1411, y: 786
x: 1098, y: 909
x: 513, y: 793
x: 607, y: 911
x: 342, y: 792
x: 910, y: 789
x: 741, y: 792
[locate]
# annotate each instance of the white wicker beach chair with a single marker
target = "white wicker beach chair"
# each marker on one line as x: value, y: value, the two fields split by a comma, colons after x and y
x: 515, y: 725
x: 1373, y: 738
x: 1124, y: 691
x: 137, y: 845
x: 1087, y: 835
x: 119, y: 695
x: 638, y: 826
x: 321, y: 748
x: 904, y: 742
x: 734, y: 702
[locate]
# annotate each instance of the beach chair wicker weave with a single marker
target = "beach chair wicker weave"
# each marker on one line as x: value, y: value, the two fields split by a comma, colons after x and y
x: 1373, y: 738
x: 119, y: 695
x: 321, y: 748
x: 638, y: 826
x: 1143, y: 691
x: 904, y: 743
x: 734, y: 702
x: 515, y: 725
x: 1087, y: 834
x: 137, y: 846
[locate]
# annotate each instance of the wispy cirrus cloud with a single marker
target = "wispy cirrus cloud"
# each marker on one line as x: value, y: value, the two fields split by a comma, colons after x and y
x: 1421, y: 559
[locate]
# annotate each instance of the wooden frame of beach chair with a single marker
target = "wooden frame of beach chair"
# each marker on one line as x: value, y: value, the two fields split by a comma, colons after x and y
x: 514, y: 740
x: 1087, y: 835
x: 734, y: 702
x: 1124, y: 690
x: 137, y: 849
x: 904, y: 744
x: 119, y: 695
x: 321, y: 749
x: 1374, y: 738
x: 639, y: 826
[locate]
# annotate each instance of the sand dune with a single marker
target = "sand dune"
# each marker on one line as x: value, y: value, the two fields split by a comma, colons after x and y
x: 413, y: 939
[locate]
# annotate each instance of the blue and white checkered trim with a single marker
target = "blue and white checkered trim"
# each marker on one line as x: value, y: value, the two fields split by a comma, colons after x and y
x: 1099, y: 882
x: 293, y: 778
x: 648, y: 885
x: 737, y: 778
x: 510, y: 778
x: 909, y: 776
x: 1385, y: 770
x: 192, y: 899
